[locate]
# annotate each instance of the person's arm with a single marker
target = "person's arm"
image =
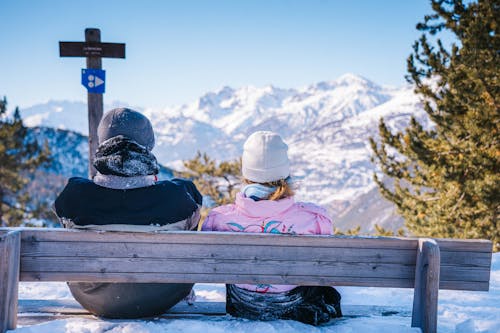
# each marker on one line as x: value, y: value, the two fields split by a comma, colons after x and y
x: 60, y: 207
x: 324, y: 225
x: 192, y: 222
x: 208, y: 223
x: 190, y: 188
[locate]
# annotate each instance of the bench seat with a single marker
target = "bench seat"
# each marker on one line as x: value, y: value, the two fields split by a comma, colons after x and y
x: 426, y: 265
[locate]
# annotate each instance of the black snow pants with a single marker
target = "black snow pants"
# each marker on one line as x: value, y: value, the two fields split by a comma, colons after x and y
x: 308, y: 304
x: 128, y: 300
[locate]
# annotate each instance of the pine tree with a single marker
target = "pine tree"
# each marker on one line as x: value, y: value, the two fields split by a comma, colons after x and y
x: 19, y: 156
x: 217, y: 181
x: 446, y: 179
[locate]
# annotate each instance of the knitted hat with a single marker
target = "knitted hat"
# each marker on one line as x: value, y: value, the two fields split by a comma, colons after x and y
x: 265, y: 158
x: 127, y: 122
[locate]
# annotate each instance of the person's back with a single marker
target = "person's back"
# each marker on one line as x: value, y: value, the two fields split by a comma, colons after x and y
x: 126, y: 196
x: 266, y: 205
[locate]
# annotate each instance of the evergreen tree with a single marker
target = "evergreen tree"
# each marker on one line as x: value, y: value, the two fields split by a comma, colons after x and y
x: 446, y: 179
x: 217, y: 181
x: 19, y: 156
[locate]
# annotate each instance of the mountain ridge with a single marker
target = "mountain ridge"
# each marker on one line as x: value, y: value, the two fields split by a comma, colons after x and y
x: 326, y: 125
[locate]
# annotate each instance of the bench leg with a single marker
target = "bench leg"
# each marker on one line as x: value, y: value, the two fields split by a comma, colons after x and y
x: 10, y: 249
x: 425, y: 299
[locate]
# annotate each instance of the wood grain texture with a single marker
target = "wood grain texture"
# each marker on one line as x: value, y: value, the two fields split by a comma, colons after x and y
x: 10, y: 245
x: 72, y: 308
x: 221, y: 238
x: 216, y: 251
x: 452, y: 245
x: 425, y: 298
x: 94, y: 101
x: 228, y: 267
x: 216, y: 278
x: 331, y: 258
x: 465, y: 264
x: 191, y: 257
x: 281, y: 258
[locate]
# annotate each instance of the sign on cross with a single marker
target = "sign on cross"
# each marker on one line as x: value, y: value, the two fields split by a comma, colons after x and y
x: 94, y: 51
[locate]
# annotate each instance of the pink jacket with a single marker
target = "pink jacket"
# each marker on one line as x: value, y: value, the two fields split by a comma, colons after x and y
x: 281, y: 217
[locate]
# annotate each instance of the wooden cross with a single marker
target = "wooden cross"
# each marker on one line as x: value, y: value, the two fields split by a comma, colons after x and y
x: 94, y: 51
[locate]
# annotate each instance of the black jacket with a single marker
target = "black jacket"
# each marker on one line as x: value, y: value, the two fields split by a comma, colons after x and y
x: 83, y: 202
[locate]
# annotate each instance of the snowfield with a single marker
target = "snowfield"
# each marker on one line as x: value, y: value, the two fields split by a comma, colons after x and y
x: 459, y: 312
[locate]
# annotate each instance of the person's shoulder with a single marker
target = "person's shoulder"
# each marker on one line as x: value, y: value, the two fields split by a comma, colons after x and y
x: 310, y: 207
x: 167, y: 187
x: 167, y: 184
x: 77, y: 183
x: 217, y: 217
x: 222, y: 210
x: 76, y: 190
x: 79, y: 180
x: 174, y: 185
x: 178, y: 190
x: 179, y: 185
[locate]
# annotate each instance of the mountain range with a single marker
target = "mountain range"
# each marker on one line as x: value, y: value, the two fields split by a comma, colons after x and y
x: 326, y: 125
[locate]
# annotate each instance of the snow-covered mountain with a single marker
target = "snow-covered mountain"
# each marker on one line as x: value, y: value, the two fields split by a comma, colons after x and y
x: 327, y: 126
x: 69, y: 151
x: 63, y: 115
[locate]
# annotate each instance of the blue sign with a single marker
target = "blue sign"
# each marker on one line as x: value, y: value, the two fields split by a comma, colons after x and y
x: 93, y: 80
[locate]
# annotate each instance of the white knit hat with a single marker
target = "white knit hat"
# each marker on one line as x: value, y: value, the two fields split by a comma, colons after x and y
x: 265, y: 158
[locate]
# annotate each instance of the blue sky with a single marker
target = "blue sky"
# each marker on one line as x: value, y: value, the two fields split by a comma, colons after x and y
x: 178, y: 50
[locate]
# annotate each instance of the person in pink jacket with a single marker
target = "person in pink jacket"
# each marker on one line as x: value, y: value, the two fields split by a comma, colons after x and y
x: 266, y: 205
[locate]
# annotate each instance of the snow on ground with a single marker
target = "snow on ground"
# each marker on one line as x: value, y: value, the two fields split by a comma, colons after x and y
x: 459, y: 312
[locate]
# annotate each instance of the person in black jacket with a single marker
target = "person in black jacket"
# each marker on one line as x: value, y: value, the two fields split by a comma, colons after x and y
x: 126, y: 196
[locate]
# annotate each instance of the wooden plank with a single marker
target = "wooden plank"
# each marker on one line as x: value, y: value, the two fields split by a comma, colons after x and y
x: 321, y: 246
x: 464, y: 285
x: 10, y: 245
x: 91, y: 49
x: 464, y: 245
x: 230, y: 266
x: 45, y: 234
x: 457, y: 273
x: 469, y: 259
x: 215, y: 251
x: 73, y: 308
x: 209, y: 266
x: 29, y: 319
x: 222, y: 238
x: 215, y: 278
x: 425, y: 298
x: 70, y: 306
x: 63, y: 306
x: 349, y: 311
x: 94, y: 101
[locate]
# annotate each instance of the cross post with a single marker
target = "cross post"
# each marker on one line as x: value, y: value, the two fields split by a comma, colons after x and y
x: 94, y: 51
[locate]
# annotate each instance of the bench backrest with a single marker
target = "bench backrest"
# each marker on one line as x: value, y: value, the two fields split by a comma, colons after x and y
x: 70, y: 255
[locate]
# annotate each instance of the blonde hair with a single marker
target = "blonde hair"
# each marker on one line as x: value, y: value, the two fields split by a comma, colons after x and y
x: 283, y: 188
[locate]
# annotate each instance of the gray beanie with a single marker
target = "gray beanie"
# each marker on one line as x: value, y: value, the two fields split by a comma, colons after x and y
x: 129, y: 123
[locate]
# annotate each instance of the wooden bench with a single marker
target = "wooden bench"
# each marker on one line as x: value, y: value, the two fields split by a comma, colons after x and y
x: 426, y: 265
